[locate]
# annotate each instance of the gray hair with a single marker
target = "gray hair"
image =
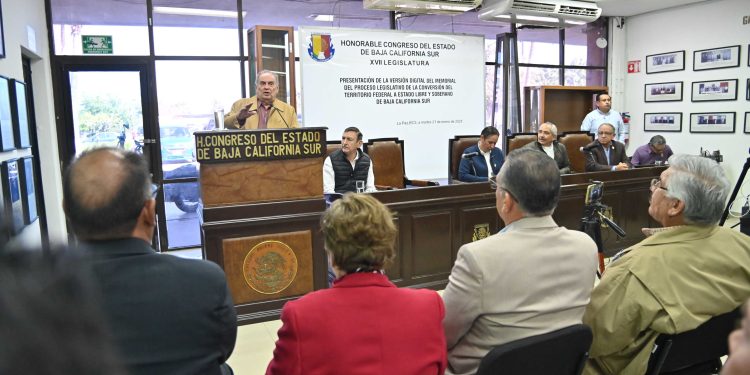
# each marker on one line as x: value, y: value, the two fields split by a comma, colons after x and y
x: 610, y: 125
x: 701, y: 185
x: 533, y: 179
x: 552, y: 127
x: 657, y: 140
x: 266, y: 71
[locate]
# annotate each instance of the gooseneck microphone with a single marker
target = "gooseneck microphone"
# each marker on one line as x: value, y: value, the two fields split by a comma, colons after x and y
x: 282, y: 117
x: 470, y: 155
x: 588, y: 147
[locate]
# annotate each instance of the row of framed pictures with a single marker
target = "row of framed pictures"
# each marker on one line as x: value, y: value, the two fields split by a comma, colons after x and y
x: 707, y: 122
x: 14, y: 115
x: 18, y: 194
x: 706, y: 59
x: 702, y: 91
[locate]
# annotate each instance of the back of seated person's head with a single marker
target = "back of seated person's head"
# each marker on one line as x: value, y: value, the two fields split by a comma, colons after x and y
x: 359, y: 233
x: 50, y: 319
x: 700, y: 183
x: 533, y: 179
x: 104, y: 191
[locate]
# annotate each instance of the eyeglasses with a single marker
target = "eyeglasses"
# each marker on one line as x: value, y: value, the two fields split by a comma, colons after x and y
x: 154, y: 190
x: 656, y: 184
x: 605, y: 133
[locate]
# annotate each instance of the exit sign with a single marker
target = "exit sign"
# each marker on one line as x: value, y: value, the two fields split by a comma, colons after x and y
x: 634, y: 66
x: 97, y: 44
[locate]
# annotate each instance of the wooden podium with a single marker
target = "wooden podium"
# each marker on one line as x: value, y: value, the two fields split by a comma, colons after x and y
x: 262, y: 194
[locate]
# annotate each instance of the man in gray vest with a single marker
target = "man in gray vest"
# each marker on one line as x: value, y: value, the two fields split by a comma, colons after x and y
x: 347, y: 166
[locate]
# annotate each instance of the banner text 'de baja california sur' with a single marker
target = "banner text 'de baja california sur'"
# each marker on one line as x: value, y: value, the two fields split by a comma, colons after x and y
x: 422, y: 88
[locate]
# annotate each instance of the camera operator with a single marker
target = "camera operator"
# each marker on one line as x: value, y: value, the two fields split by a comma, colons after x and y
x: 680, y: 276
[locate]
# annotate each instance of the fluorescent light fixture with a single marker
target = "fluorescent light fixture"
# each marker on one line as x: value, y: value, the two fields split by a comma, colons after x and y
x: 322, y: 17
x: 197, y: 12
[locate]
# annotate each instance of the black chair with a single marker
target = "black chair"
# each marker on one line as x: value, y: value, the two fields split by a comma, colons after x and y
x: 696, y: 352
x: 561, y: 352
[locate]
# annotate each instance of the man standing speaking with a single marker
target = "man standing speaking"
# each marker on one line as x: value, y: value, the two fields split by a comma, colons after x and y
x: 262, y: 111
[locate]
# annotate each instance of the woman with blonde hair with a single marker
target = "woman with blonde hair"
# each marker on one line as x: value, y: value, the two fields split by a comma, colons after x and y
x: 364, y: 324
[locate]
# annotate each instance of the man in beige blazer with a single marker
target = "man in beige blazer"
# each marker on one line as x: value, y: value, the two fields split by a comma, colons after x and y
x: 531, y: 278
x: 262, y: 111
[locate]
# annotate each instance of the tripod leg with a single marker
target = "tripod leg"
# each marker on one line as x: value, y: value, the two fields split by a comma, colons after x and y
x: 599, y: 246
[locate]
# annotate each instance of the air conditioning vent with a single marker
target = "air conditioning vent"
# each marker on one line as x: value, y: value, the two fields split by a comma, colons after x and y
x: 559, y: 13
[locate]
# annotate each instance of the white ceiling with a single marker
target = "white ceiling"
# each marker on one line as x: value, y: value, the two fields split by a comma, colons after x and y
x: 625, y: 8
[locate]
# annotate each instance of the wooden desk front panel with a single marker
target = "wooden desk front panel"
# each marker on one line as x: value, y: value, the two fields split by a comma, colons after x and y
x: 433, y: 223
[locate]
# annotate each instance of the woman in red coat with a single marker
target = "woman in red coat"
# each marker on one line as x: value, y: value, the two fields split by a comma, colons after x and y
x: 363, y: 324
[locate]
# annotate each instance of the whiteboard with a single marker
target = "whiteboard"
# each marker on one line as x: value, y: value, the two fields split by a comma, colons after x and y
x: 423, y: 88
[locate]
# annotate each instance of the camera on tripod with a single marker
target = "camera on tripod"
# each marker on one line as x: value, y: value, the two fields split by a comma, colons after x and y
x: 594, y: 193
x: 593, y: 218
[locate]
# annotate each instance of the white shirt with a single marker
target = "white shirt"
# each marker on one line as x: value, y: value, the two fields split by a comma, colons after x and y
x: 486, y: 160
x: 329, y: 178
x: 549, y: 150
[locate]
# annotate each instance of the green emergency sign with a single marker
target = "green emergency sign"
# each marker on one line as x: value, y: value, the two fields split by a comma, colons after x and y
x: 97, y: 44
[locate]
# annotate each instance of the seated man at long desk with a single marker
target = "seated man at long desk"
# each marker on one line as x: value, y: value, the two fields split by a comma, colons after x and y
x: 606, y: 154
x: 483, y: 160
x: 344, y: 169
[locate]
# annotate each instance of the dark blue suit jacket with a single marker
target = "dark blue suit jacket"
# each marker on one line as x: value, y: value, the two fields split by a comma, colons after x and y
x: 474, y: 169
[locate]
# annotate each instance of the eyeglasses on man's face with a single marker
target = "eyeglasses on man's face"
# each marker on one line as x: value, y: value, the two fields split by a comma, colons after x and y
x: 606, y: 133
x: 154, y: 191
x: 657, y: 184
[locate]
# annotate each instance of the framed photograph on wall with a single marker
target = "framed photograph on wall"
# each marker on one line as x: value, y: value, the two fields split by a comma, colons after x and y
x: 2, y: 36
x: 20, y: 114
x: 713, y: 91
x: 662, y: 122
x: 747, y: 90
x: 12, y: 194
x: 665, y: 62
x: 663, y: 92
x: 6, y: 117
x: 716, y: 58
x: 28, y: 191
x: 712, y: 122
x: 747, y: 122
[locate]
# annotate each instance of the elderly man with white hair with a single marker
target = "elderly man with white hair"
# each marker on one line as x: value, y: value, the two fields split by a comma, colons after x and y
x: 680, y: 276
x: 546, y: 141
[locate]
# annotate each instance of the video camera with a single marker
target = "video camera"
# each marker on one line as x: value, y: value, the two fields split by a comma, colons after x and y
x: 594, y: 193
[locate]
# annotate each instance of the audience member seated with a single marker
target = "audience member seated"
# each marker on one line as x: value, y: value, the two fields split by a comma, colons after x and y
x: 738, y: 362
x: 531, y: 278
x: 168, y: 315
x: 547, y: 143
x: 656, y: 152
x: 680, y: 276
x: 606, y: 154
x: 343, y: 168
x: 51, y: 322
x: 483, y: 160
x: 364, y: 324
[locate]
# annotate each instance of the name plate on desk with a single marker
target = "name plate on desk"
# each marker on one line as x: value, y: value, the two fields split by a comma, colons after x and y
x: 259, y: 145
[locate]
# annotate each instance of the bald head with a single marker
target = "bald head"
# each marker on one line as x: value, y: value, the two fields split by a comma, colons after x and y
x: 104, y: 191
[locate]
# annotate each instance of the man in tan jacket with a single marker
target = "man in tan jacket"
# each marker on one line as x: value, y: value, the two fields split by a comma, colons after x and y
x: 262, y: 111
x: 679, y: 277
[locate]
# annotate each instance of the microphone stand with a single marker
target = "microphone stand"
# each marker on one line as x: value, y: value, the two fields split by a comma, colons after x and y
x: 734, y: 196
x: 282, y: 117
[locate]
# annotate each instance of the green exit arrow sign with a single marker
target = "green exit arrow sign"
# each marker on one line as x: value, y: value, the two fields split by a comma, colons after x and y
x: 97, y: 44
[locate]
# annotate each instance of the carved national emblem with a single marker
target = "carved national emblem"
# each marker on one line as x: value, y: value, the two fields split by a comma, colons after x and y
x: 270, y: 267
x: 480, y: 231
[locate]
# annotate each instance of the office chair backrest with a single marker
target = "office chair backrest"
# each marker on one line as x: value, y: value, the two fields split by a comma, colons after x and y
x: 387, y: 155
x: 685, y: 352
x: 561, y: 352
x: 573, y: 141
x: 518, y: 140
x: 456, y: 147
x: 332, y: 146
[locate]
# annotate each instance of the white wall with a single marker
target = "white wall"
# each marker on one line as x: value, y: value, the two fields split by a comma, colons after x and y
x: 693, y: 27
x: 25, y: 34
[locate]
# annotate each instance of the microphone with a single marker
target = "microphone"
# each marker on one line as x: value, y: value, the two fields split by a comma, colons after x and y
x: 588, y: 147
x: 469, y: 155
x: 282, y: 117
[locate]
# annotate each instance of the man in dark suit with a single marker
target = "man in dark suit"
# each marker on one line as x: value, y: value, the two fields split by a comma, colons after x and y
x: 483, y: 160
x: 167, y: 315
x: 606, y: 154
